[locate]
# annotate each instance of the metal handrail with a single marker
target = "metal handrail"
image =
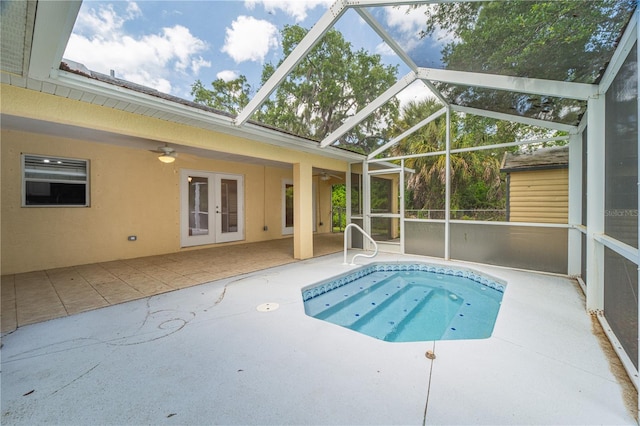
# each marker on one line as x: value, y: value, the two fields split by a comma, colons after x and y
x: 359, y: 254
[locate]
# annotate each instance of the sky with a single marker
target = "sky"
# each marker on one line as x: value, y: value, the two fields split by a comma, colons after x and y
x: 168, y: 45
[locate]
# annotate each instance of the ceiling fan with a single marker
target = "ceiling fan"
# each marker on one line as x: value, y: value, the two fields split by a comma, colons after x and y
x: 168, y: 154
x: 324, y: 176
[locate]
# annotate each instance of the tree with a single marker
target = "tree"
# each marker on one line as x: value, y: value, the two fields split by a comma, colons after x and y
x: 319, y: 94
x: 564, y: 40
x: 228, y: 96
x: 476, y: 182
x: 558, y: 40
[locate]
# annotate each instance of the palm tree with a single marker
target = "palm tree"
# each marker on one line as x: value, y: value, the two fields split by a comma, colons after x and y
x: 475, y: 176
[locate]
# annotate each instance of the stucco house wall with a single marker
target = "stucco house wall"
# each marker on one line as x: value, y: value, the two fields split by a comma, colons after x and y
x: 132, y: 193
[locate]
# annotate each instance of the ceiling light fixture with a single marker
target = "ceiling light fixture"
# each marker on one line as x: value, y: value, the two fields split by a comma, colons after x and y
x: 168, y: 154
x: 167, y: 158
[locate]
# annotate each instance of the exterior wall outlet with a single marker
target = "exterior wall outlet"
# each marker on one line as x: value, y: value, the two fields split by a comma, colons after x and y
x: 265, y: 228
x: 132, y: 238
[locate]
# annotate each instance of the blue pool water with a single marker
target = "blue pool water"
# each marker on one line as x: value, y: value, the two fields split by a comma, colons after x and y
x: 409, y: 302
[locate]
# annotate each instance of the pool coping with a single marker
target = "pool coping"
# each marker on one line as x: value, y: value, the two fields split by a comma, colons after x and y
x: 316, y: 289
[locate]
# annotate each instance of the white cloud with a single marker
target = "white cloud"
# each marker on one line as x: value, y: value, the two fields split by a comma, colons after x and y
x: 384, y: 49
x: 102, y: 22
x: 416, y: 92
x: 405, y: 19
x: 250, y: 39
x: 297, y: 9
x: 409, y: 22
x: 100, y: 42
x: 227, y: 75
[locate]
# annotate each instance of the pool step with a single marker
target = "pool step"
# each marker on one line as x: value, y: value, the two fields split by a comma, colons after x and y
x: 349, y: 309
x: 392, y: 315
x: 430, y: 320
x: 323, y: 305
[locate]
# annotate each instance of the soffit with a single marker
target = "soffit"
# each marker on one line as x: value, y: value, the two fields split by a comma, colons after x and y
x: 11, y: 122
x: 17, y: 19
x: 85, y: 88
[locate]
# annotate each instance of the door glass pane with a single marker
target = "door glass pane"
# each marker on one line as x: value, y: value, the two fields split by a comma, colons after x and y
x: 198, y: 206
x: 289, y: 205
x: 229, y: 207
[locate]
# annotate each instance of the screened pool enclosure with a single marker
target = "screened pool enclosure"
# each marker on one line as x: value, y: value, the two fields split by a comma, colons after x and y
x: 584, y: 96
x: 483, y: 78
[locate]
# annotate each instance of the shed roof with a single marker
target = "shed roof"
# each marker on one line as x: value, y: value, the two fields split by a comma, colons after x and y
x: 545, y: 158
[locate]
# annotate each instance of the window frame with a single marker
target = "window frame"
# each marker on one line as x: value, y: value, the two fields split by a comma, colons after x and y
x: 25, y: 179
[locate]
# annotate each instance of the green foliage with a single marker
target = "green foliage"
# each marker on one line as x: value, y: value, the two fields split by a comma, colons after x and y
x: 339, y: 206
x: 322, y: 91
x: 563, y: 40
x: 381, y: 199
x: 228, y: 96
x: 476, y: 182
x: 339, y: 195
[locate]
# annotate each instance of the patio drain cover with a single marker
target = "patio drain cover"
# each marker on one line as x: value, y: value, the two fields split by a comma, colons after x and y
x: 267, y: 307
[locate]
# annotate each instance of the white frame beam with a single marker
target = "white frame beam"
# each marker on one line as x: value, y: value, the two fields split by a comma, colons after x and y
x: 398, y: 50
x: 574, y: 266
x: 516, y: 119
x: 407, y: 133
x: 447, y: 205
x: 366, y: 203
x: 560, y: 89
x: 595, y: 203
x: 375, y: 25
x: 469, y: 149
x: 314, y: 35
x: 361, y: 115
x: 53, y: 26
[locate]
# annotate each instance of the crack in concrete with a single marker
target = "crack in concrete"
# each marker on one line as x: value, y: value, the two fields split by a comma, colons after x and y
x: 76, y: 379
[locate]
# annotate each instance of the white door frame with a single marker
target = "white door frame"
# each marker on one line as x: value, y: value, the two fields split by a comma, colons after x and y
x: 286, y: 230
x: 214, y: 222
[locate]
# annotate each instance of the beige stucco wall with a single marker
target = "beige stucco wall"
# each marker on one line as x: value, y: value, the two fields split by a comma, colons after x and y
x: 132, y: 193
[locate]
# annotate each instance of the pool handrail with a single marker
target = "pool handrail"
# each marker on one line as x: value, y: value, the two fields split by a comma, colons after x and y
x: 346, y: 236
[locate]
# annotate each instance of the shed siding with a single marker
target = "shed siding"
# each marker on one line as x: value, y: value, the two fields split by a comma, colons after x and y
x: 539, y: 196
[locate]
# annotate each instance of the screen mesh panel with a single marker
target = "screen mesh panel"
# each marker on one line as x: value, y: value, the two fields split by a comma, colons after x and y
x: 621, y: 301
x: 526, y: 247
x: 621, y: 152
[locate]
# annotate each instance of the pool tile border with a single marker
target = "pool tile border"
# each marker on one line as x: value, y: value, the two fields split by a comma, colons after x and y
x: 323, y: 287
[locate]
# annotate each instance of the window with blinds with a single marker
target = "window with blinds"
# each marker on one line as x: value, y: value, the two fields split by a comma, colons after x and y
x: 54, y: 181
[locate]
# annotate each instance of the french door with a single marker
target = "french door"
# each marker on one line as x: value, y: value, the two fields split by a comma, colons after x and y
x: 212, y: 207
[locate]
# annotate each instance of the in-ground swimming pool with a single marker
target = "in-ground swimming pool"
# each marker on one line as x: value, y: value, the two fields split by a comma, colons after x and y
x: 409, y: 302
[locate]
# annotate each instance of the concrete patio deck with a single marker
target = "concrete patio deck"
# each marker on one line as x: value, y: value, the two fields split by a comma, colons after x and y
x: 205, y: 355
x: 43, y: 295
